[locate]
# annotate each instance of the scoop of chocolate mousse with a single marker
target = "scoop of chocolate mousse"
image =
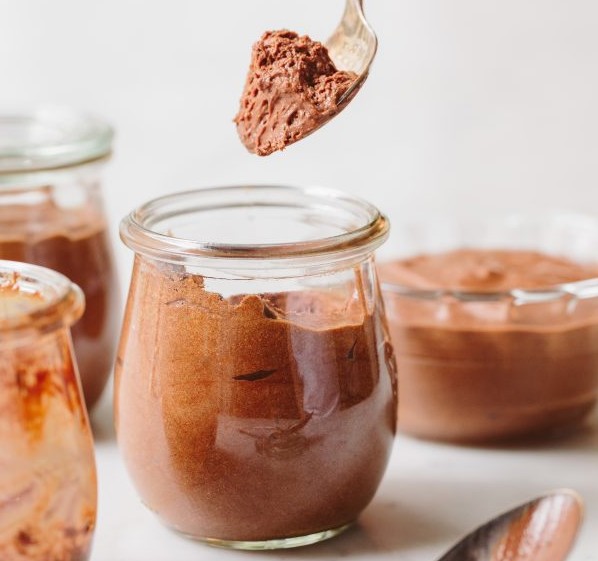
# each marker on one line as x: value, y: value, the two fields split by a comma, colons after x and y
x: 292, y: 89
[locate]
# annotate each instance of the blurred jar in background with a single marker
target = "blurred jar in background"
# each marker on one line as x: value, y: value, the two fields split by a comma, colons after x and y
x: 51, y: 214
x: 48, y: 490
x: 495, y: 322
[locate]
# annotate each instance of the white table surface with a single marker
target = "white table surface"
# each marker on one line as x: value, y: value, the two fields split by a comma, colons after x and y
x: 430, y: 496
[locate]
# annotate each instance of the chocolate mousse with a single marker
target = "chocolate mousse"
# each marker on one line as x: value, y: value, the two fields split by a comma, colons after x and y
x: 47, y: 470
x: 292, y: 89
x: 75, y: 243
x: 486, y: 270
x: 251, y: 417
x: 488, y: 346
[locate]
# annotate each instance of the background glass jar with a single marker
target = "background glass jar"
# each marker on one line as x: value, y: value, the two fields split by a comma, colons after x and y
x: 51, y: 214
x: 47, y: 469
x: 255, y: 393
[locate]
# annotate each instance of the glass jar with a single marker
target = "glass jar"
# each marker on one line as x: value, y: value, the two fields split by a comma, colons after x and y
x: 255, y: 393
x: 51, y: 214
x: 47, y: 469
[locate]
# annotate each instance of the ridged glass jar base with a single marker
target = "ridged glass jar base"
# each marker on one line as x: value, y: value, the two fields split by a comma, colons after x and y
x: 281, y: 543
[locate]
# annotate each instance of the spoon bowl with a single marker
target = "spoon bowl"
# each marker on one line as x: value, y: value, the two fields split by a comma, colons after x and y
x: 353, y: 46
x: 543, y: 529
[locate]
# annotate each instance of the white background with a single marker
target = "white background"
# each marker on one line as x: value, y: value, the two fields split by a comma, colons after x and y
x: 473, y: 106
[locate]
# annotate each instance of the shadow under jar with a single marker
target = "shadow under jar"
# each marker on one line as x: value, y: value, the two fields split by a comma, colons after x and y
x: 51, y: 214
x: 255, y: 388
x: 47, y: 469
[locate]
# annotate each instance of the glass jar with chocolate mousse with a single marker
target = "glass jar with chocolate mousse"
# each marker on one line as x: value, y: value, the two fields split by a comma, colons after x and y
x: 47, y: 468
x: 51, y: 214
x: 255, y: 390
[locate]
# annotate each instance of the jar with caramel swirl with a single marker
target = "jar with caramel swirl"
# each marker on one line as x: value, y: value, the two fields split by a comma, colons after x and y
x: 47, y: 469
x: 255, y: 384
x: 51, y: 214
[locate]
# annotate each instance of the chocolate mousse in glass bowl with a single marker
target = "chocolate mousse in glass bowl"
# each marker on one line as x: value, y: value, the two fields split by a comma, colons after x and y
x: 495, y: 326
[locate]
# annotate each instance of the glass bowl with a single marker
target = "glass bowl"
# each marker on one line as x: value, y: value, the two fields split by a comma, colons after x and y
x: 481, y: 365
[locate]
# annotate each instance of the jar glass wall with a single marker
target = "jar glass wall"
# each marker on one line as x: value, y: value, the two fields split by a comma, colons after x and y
x: 255, y: 387
x: 47, y: 468
x: 51, y: 214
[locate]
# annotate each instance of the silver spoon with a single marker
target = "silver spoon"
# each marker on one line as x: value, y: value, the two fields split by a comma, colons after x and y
x: 353, y: 46
x: 541, y: 530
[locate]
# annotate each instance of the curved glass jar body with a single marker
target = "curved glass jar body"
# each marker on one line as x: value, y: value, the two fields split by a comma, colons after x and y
x: 51, y: 214
x: 47, y: 470
x: 255, y: 385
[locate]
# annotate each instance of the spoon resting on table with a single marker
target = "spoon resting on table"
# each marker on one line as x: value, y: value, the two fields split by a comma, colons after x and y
x: 543, y: 529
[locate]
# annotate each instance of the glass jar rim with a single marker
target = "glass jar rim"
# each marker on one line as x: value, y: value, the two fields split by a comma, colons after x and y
x: 370, y: 229
x: 61, y: 302
x: 50, y: 137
